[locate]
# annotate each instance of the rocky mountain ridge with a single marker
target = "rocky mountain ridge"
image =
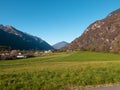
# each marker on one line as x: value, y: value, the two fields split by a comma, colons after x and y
x: 102, y: 35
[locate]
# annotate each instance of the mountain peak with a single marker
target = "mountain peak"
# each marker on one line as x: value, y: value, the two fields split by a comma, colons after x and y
x: 9, y: 27
x: 60, y: 45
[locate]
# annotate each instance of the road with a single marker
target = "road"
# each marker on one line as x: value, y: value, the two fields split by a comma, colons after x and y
x: 105, y: 88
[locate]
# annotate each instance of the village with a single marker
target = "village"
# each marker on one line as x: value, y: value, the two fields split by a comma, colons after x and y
x: 22, y: 54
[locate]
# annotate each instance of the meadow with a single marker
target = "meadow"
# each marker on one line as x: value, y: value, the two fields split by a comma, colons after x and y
x: 61, y: 71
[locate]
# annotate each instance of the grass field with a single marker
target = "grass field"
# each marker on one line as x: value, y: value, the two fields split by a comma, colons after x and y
x: 60, y: 71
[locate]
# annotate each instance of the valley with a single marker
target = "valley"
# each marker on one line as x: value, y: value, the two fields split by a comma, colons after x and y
x: 63, y: 70
x: 71, y: 56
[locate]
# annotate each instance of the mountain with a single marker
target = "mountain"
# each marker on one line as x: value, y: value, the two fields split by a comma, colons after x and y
x: 10, y: 36
x: 102, y: 35
x: 60, y: 45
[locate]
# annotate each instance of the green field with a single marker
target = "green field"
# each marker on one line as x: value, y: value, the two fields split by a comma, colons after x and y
x: 60, y: 71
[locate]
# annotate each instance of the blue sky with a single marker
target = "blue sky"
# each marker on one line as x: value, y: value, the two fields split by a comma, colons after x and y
x: 54, y: 20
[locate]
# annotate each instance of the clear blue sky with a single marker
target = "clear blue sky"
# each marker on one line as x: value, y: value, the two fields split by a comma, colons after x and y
x: 54, y: 20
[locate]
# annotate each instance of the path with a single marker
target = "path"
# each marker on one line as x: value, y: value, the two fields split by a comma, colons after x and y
x: 106, y: 88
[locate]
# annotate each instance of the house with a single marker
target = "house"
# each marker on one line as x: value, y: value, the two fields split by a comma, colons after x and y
x: 48, y: 52
x: 21, y: 56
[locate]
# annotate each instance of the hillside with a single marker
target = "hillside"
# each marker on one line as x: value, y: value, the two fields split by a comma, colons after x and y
x: 10, y: 36
x: 60, y: 45
x: 102, y: 35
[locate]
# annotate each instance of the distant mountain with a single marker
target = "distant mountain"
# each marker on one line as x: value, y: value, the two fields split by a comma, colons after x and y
x: 60, y: 45
x: 102, y: 35
x: 10, y: 36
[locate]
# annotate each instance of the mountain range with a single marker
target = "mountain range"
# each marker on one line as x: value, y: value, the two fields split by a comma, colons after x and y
x: 60, y: 45
x: 102, y: 35
x: 11, y: 37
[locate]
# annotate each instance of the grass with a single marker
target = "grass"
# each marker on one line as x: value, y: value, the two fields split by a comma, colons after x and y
x: 60, y: 71
x: 32, y: 60
x: 89, y: 56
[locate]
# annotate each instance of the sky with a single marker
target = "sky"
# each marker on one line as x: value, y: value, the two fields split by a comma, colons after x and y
x: 54, y: 20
